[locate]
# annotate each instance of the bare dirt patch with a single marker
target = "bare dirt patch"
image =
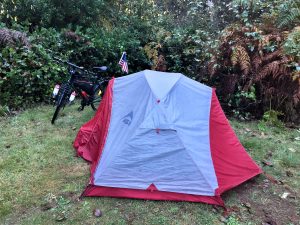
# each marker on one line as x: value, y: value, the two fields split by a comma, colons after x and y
x: 266, y: 202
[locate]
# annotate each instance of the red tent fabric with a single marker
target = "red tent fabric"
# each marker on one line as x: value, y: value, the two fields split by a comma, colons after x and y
x: 230, y: 163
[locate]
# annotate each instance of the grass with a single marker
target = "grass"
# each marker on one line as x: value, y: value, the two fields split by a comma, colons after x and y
x: 41, y: 180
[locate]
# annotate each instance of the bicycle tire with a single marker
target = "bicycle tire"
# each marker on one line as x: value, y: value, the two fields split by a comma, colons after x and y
x: 60, y: 103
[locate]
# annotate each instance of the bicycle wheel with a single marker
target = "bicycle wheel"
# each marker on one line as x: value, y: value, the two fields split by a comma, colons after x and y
x: 61, y: 102
x: 96, y: 98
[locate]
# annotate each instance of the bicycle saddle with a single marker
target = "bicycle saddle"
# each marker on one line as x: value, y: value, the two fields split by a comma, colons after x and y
x: 100, y: 68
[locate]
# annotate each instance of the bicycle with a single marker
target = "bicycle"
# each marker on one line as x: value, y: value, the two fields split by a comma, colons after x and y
x: 89, y: 85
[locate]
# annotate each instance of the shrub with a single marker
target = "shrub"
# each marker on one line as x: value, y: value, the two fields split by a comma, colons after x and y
x: 249, y: 58
x: 27, y: 75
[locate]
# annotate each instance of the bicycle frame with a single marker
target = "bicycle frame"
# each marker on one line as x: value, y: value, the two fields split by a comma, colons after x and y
x: 87, y: 95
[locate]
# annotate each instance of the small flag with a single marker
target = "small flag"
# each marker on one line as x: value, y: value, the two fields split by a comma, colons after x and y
x: 123, y: 63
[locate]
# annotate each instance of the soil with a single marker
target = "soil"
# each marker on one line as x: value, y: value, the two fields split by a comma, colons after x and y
x: 264, y: 202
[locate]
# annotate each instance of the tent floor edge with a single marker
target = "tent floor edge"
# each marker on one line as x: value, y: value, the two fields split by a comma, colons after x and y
x: 101, y: 191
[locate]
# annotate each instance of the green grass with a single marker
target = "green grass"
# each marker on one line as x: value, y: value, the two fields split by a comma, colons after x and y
x: 38, y: 170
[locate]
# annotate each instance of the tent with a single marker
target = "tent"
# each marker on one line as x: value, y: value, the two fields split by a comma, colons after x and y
x: 162, y: 136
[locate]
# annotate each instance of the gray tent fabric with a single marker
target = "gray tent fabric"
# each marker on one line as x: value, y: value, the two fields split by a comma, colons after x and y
x: 159, y: 134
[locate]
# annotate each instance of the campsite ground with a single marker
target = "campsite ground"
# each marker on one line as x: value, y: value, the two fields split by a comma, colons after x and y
x: 41, y: 180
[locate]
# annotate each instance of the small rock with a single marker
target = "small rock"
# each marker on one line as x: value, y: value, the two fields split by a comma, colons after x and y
x: 73, y: 128
x: 97, y: 213
x: 7, y: 146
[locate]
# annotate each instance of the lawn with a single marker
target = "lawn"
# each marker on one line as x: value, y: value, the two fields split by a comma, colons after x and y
x: 41, y: 179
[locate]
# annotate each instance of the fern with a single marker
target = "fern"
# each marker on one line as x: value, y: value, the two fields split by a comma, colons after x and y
x: 161, y: 64
x: 290, y: 14
x: 292, y: 44
x: 247, y: 50
x: 11, y: 38
x: 151, y: 50
x: 240, y: 57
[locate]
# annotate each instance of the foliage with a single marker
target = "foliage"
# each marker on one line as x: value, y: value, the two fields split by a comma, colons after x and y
x: 4, y: 110
x: 52, y: 13
x: 249, y: 58
x: 33, y: 173
x: 252, y: 56
x: 28, y: 72
x: 271, y: 117
x: 12, y: 38
x: 292, y: 44
x: 232, y: 221
x: 26, y: 75
x: 288, y: 14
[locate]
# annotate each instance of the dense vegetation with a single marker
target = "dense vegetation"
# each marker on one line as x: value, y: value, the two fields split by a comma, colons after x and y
x: 249, y: 50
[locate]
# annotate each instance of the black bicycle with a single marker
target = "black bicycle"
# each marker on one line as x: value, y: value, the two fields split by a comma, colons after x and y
x: 88, y: 85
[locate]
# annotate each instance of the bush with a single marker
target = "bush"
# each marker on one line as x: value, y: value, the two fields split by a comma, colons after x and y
x: 28, y: 73
x: 27, y: 76
x: 249, y: 59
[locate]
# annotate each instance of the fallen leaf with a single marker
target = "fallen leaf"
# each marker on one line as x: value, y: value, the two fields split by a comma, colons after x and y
x: 269, y: 154
x: 235, y: 208
x: 292, y: 149
x: 270, y: 222
x: 284, y: 195
x: 271, y: 178
x: 156, y: 210
x: 247, y: 205
x: 267, y: 163
x: 97, y: 213
x: 292, y: 196
x: 289, y: 173
x: 60, y: 217
x: 223, y: 219
x: 47, y: 206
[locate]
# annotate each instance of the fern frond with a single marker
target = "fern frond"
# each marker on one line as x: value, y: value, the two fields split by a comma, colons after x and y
x: 240, y: 57
x: 12, y: 37
x: 292, y: 15
x: 161, y: 64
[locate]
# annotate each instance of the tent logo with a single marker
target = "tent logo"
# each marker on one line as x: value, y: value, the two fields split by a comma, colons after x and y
x: 128, y: 118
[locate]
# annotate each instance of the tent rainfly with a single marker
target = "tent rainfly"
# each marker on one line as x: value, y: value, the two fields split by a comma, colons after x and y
x: 162, y: 136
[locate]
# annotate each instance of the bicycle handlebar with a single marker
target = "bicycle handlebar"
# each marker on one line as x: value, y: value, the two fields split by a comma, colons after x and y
x: 68, y: 63
x: 73, y: 65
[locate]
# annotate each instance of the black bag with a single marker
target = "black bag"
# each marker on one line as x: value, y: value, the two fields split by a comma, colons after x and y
x: 86, y: 86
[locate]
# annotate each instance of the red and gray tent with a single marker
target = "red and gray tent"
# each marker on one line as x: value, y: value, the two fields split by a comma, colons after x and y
x: 162, y: 136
